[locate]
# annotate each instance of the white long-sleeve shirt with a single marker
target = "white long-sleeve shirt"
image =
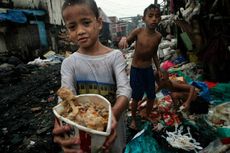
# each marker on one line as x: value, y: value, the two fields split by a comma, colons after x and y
x: 102, y: 74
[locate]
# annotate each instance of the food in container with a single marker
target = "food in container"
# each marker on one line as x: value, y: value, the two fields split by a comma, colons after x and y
x: 89, y: 114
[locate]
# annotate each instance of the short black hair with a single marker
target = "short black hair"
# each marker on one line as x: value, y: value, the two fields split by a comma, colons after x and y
x: 91, y: 3
x: 152, y: 6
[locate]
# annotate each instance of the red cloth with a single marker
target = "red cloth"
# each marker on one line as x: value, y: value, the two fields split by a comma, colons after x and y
x: 210, y: 84
x: 225, y: 140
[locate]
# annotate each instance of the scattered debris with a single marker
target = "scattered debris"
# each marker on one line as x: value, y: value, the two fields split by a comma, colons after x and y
x: 22, y: 130
x: 182, y: 141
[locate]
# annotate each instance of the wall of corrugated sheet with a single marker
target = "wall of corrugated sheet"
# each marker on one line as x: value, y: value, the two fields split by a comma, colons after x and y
x: 23, y: 40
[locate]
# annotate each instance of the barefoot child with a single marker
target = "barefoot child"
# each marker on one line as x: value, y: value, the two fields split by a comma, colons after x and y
x: 142, y: 74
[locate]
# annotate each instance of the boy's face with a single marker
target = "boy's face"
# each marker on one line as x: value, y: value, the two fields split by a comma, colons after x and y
x: 82, y: 25
x: 152, y: 18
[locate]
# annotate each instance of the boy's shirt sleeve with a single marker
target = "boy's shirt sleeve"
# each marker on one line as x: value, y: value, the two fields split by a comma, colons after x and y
x: 67, y: 75
x: 122, y: 81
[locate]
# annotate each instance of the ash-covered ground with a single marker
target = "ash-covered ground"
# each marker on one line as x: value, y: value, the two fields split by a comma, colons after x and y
x: 27, y: 96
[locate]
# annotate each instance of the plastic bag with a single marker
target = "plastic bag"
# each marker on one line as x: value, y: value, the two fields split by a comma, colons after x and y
x: 143, y: 142
x: 204, y: 93
x: 215, y: 146
x: 167, y: 64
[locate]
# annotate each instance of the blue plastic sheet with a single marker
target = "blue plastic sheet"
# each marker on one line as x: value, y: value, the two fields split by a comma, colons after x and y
x: 14, y: 16
x: 18, y: 15
x: 204, y: 93
x: 143, y: 142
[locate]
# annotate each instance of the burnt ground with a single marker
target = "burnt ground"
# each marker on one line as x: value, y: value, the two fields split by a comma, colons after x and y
x: 26, y: 119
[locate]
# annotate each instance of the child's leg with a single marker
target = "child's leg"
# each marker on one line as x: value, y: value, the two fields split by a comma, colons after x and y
x: 149, y: 107
x: 150, y: 91
x: 134, y: 105
x: 137, y: 93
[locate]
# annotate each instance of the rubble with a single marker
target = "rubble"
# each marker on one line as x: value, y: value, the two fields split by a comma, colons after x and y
x: 26, y: 120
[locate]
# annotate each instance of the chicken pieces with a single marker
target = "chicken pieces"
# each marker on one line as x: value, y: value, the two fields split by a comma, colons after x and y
x: 88, y: 113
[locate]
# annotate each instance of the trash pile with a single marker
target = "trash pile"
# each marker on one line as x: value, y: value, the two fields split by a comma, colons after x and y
x: 171, y: 129
x: 205, y: 125
x: 12, y: 69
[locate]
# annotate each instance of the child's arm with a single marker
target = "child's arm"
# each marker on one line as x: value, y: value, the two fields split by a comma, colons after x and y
x: 185, y: 88
x: 186, y: 104
x: 155, y: 57
x: 156, y: 61
x: 126, y: 41
x: 120, y: 106
x: 123, y: 91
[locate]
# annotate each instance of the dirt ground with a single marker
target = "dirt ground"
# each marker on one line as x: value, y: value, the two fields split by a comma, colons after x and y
x: 26, y: 119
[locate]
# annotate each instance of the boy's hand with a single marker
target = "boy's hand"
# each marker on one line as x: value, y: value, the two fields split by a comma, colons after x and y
x: 67, y: 144
x: 111, y: 138
x: 123, y: 43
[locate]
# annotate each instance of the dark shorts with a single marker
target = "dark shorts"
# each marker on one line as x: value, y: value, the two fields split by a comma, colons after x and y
x: 142, y: 81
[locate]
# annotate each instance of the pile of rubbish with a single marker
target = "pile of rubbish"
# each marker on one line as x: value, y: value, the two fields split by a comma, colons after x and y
x: 176, y: 130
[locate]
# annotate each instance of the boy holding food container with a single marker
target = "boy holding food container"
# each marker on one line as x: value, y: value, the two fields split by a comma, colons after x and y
x: 93, y: 68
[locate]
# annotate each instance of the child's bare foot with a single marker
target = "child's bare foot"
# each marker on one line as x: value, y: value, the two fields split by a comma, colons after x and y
x: 133, y: 124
